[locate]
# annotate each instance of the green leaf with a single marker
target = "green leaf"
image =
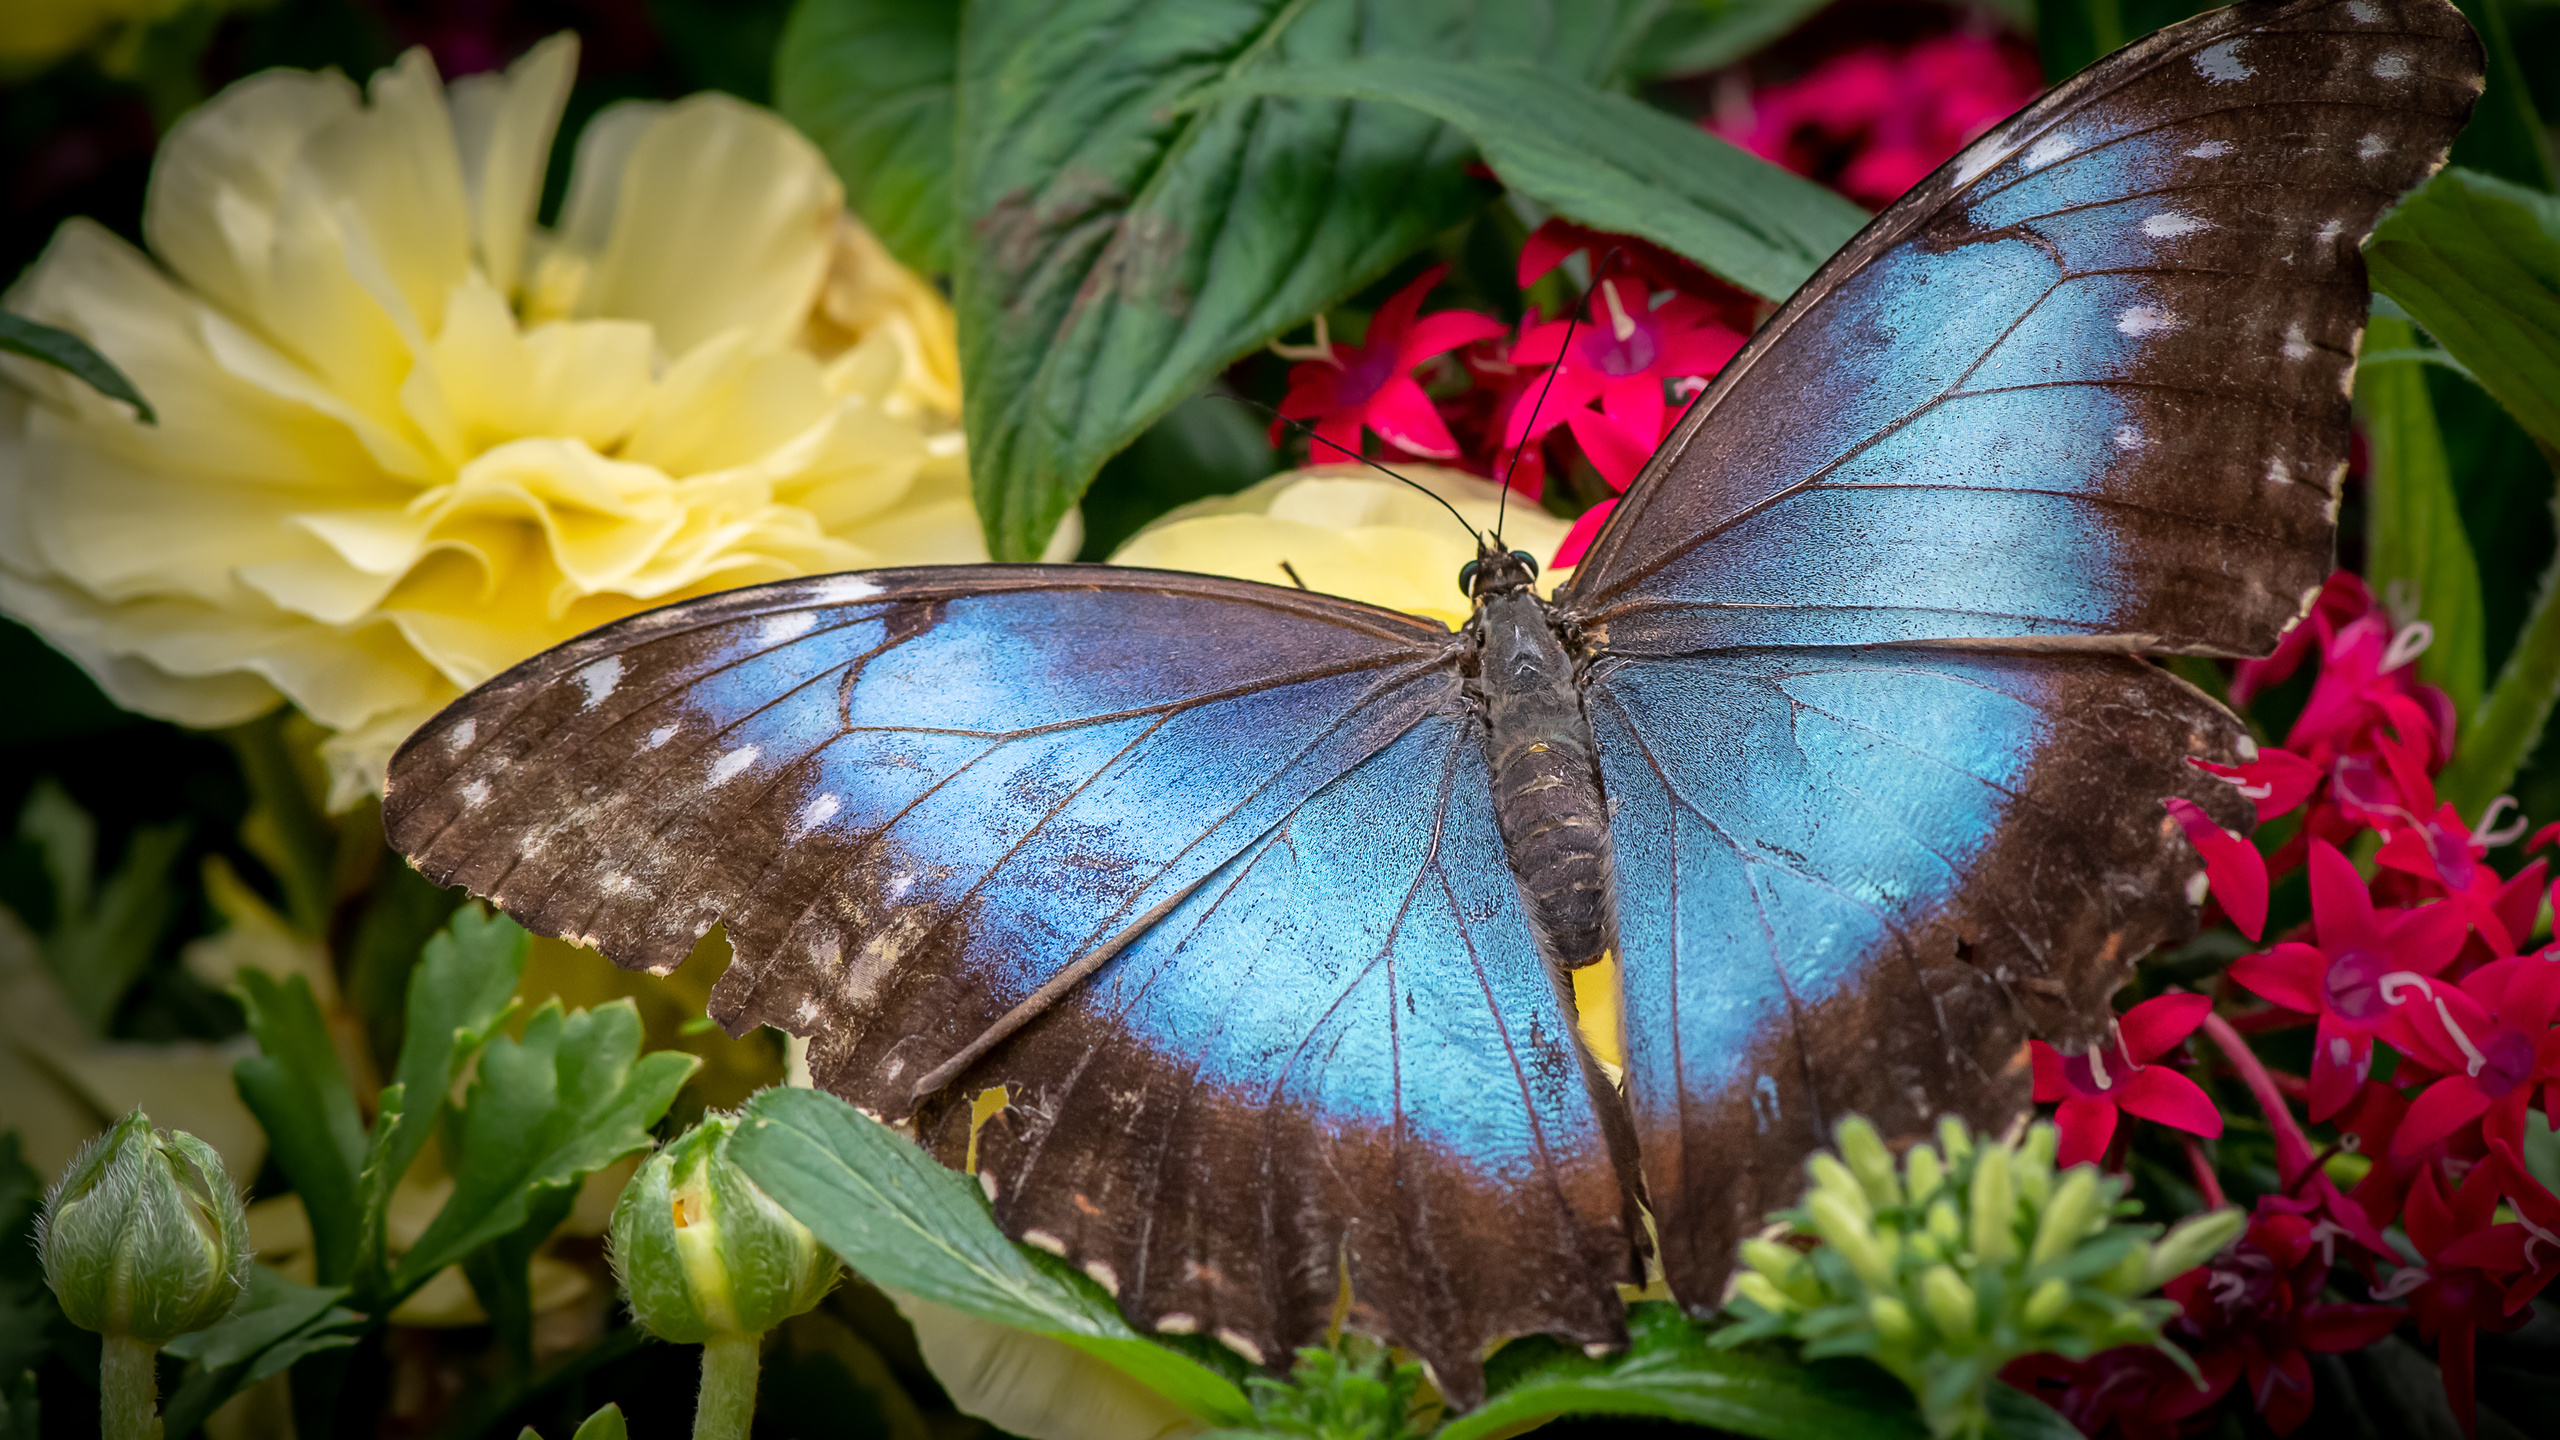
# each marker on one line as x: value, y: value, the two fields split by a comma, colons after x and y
x: 2414, y: 538
x: 501, y: 1272
x: 460, y: 992
x: 1610, y: 162
x: 2476, y: 261
x: 605, y: 1424
x: 571, y: 1097
x: 1668, y: 1371
x: 102, y: 936
x: 873, y: 82
x: 1120, y: 244
x: 298, y: 1092
x: 906, y: 1223
x: 70, y: 354
x: 2017, y: 1415
x: 276, y: 1323
x: 2505, y: 136
x: 1700, y: 35
x: 2505, y: 729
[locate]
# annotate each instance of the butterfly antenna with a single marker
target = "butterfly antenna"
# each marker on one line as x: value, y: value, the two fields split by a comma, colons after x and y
x: 1581, y: 307
x: 1303, y: 428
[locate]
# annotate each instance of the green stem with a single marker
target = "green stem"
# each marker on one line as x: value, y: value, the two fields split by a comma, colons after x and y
x: 2503, y: 730
x: 129, y: 1390
x: 728, y: 1405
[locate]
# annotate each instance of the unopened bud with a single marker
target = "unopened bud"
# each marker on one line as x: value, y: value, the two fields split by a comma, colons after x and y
x: 143, y: 1237
x: 1830, y: 1177
x: 1757, y: 1288
x: 2032, y: 1169
x: 1771, y: 1258
x: 2073, y: 1209
x: 701, y: 1251
x: 1869, y: 1161
x: 1926, y: 1172
x: 2046, y: 1304
x: 1892, y: 1319
x: 1950, y: 1303
x: 1848, y: 1232
x: 1995, y: 1207
x: 1955, y: 1140
x: 2192, y: 1242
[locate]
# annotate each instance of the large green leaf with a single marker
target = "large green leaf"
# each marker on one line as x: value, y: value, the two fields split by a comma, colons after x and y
x: 2413, y: 524
x: 1668, y: 1371
x: 70, y: 354
x: 276, y: 1323
x: 872, y: 81
x: 103, y: 934
x: 571, y: 1097
x: 2476, y: 260
x: 1610, y: 162
x: 2505, y: 136
x: 1698, y: 35
x: 1119, y: 244
x: 296, y: 1088
x: 906, y: 1223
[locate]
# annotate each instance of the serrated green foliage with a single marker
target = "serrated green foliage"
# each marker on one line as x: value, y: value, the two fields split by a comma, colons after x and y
x: 298, y: 1091
x: 71, y: 355
x: 907, y: 1224
x: 1671, y: 1371
x: 1605, y: 160
x: 1964, y: 1256
x: 571, y: 1097
x: 501, y: 1274
x: 1120, y: 244
x: 605, y: 1424
x: 102, y: 934
x: 1358, y: 1392
x: 873, y: 82
x: 276, y: 1323
x: 2415, y: 545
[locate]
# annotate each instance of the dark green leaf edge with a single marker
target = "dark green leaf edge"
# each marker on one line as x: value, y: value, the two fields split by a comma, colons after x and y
x: 73, y: 356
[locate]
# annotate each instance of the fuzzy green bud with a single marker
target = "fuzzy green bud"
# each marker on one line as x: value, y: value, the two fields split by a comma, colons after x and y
x: 1760, y: 1290
x: 1830, y: 1177
x: 143, y: 1237
x: 1847, y: 1231
x: 2072, y: 1211
x: 1771, y: 1258
x: 2032, y: 1170
x: 1863, y: 1148
x: 701, y: 1252
x: 1955, y: 1140
x: 1945, y: 1225
x: 1892, y: 1320
x: 1949, y: 1301
x: 1926, y: 1171
x: 1995, y: 1207
x: 2192, y: 1242
x: 2047, y: 1303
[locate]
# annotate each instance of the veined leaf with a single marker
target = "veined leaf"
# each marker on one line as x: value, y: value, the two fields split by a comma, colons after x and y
x: 873, y: 82
x: 70, y: 354
x: 1669, y: 1371
x: 2413, y: 528
x: 276, y: 1323
x: 1610, y: 162
x: 2505, y: 135
x: 906, y: 1223
x: 295, y: 1087
x: 1693, y: 36
x: 1119, y: 243
x: 571, y: 1097
x: 2476, y: 261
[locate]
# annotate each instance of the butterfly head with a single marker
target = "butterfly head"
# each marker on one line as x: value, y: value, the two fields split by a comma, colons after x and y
x: 1495, y: 571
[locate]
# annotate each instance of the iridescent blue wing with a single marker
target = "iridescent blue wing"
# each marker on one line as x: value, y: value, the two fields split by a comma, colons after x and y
x: 1204, y: 872
x: 1854, y: 881
x: 2087, y: 384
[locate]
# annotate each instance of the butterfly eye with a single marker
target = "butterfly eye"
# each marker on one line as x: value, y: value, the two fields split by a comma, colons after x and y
x: 1467, y: 578
x: 1525, y: 558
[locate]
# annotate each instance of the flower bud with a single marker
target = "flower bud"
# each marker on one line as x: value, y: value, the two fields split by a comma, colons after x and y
x: 700, y: 1251
x: 1950, y: 1303
x: 2195, y: 1240
x: 1847, y: 1231
x: 1869, y: 1161
x: 1955, y: 1140
x: 1892, y: 1320
x: 1927, y: 1172
x: 2032, y: 1170
x: 1759, y: 1290
x: 143, y: 1237
x: 1830, y: 1177
x: 2072, y: 1210
x: 1945, y: 1225
x: 2047, y: 1303
x: 1995, y: 1207
x: 1771, y: 1258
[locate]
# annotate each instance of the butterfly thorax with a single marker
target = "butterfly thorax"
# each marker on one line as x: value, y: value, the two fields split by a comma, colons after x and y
x: 1546, y: 789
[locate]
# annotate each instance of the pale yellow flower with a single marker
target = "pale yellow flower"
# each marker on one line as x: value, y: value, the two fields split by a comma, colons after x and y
x: 408, y: 438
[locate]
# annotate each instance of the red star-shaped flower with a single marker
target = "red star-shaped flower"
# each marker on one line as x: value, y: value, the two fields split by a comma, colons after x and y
x: 1345, y: 389
x: 2116, y: 1075
x: 2490, y: 1036
x: 2523, y: 1252
x: 2454, y: 1302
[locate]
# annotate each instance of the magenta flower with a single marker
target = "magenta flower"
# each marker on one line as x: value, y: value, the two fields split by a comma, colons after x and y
x: 2341, y: 978
x: 1895, y: 115
x: 2491, y: 1038
x: 1623, y: 355
x: 2116, y: 1075
x: 1345, y: 389
x: 2276, y: 781
x: 2368, y: 678
x: 2255, y: 1310
x: 2454, y: 1302
x: 2524, y: 1252
x: 2233, y: 869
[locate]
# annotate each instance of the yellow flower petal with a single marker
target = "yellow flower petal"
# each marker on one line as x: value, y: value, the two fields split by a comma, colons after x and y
x: 502, y: 127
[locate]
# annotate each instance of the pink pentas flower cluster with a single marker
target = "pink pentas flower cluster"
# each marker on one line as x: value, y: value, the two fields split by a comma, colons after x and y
x: 2417, y: 966
x: 1874, y: 121
x: 1461, y: 387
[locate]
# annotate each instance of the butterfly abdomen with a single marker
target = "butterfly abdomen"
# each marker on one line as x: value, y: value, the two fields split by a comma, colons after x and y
x: 1546, y: 789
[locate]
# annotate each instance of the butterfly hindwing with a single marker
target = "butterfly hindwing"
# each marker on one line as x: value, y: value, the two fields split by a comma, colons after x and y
x: 1204, y: 872
x: 1866, y: 876
x: 2087, y: 384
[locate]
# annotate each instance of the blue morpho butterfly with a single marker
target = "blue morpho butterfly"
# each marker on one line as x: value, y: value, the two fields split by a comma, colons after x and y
x: 1256, y: 900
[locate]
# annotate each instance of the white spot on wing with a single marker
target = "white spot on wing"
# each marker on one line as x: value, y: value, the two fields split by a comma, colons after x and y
x: 662, y: 735
x: 2169, y: 224
x: 2128, y: 438
x: 1043, y: 1240
x: 2049, y: 149
x: 789, y: 625
x: 2297, y: 346
x: 2372, y: 147
x: 475, y: 792
x: 2278, y: 472
x: 2222, y: 64
x: 727, y: 767
x: 614, y: 882
x: 459, y: 737
x: 1236, y: 1340
x: 599, y: 679
x: 814, y: 814
x: 838, y: 589
x: 1977, y: 160
x: 2331, y: 230
x: 2393, y: 65
x: 1177, y: 1322
x: 1103, y: 1275
x: 2363, y: 13
x: 2145, y: 320
x: 2210, y: 150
